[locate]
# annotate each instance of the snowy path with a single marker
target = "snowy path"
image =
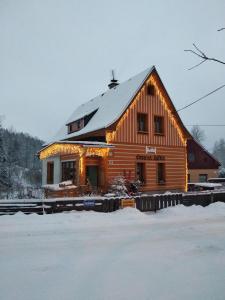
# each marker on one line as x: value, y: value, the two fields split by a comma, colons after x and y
x: 179, y: 253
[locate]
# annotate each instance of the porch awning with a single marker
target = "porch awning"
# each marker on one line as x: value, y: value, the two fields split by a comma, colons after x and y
x: 80, y: 148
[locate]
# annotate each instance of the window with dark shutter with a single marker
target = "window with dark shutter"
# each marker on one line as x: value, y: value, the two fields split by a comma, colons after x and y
x: 161, y: 174
x: 68, y: 171
x: 159, y: 125
x: 50, y: 172
x: 140, y: 172
x: 142, y: 122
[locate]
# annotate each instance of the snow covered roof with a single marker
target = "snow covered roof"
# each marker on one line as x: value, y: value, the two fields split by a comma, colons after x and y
x: 109, y: 105
x: 208, y: 184
x: 84, y: 144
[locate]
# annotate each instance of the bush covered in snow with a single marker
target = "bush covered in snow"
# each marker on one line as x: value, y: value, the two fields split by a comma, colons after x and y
x: 118, y: 186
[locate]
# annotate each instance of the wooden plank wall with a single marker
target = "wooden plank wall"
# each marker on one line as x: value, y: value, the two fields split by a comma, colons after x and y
x: 130, y: 143
x: 123, y: 162
x: 126, y: 131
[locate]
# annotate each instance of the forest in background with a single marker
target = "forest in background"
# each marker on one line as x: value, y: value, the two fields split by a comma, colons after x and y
x: 20, y: 168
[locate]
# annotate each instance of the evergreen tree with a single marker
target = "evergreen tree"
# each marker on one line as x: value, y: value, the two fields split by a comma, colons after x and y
x: 4, y: 178
x: 19, y: 165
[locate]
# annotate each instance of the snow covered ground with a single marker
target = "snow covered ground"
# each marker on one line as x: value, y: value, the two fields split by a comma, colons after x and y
x: 178, y: 253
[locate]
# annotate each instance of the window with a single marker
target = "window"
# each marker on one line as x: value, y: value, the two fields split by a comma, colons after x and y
x: 70, y: 128
x: 191, y: 157
x: 140, y: 172
x: 142, y: 122
x: 50, y: 172
x: 150, y: 89
x: 203, y: 177
x: 68, y: 170
x: 161, y: 176
x: 75, y: 126
x: 159, y: 125
x: 189, y: 178
x: 81, y: 123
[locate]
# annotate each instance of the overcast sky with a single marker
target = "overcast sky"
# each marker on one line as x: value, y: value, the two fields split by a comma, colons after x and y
x: 55, y: 55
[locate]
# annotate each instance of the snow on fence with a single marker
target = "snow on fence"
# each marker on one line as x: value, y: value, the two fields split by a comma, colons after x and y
x: 100, y: 204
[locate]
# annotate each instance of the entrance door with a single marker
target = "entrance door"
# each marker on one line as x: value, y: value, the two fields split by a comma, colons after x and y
x: 50, y: 172
x: 92, y: 175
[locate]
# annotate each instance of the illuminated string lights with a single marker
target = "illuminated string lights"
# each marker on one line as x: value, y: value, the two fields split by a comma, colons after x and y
x: 81, y: 166
x: 63, y: 149
x: 101, y: 152
x: 165, y: 105
x: 110, y: 136
x: 59, y: 149
x: 172, y: 118
x: 186, y: 173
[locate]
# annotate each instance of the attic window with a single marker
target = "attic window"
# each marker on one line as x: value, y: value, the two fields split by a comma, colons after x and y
x: 150, y: 90
x: 75, y: 126
x: 80, y: 123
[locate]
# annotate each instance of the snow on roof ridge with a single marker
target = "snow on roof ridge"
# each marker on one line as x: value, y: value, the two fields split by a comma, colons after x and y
x: 111, y: 105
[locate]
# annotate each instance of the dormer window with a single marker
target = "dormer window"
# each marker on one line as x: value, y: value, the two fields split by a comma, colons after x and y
x: 80, y: 123
x: 76, y: 125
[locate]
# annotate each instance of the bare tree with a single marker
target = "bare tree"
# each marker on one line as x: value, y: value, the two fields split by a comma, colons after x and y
x: 202, y: 55
x: 196, y: 51
x: 219, y: 151
x: 198, y: 134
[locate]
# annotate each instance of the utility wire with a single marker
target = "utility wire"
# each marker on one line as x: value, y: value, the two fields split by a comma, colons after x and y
x: 203, y: 97
x: 208, y: 125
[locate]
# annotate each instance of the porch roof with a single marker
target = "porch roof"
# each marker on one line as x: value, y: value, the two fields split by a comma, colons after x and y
x: 81, y: 143
x: 74, y: 146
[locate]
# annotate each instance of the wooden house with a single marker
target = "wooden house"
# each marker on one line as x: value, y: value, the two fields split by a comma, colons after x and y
x: 201, y: 164
x: 131, y: 130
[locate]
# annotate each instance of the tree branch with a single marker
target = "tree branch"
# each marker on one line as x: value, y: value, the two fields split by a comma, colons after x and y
x: 195, y: 66
x: 223, y: 28
x: 203, y: 56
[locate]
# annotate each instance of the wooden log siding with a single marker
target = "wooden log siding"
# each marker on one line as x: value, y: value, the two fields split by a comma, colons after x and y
x: 129, y: 143
x: 123, y: 162
x: 126, y: 131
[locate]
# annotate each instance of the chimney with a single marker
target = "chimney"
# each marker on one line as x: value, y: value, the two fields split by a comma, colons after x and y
x: 113, y: 82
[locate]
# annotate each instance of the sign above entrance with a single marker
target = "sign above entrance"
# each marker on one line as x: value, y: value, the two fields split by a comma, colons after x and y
x: 150, y: 157
x: 150, y: 150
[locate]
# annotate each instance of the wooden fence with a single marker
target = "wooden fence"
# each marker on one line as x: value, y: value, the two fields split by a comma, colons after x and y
x: 60, y: 205
x: 143, y: 203
x: 156, y: 202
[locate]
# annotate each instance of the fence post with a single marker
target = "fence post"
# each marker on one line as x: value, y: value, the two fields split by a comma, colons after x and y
x: 155, y: 203
x: 212, y: 198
